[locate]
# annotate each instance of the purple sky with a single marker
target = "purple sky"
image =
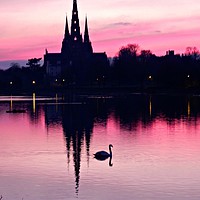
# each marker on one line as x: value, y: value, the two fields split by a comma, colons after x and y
x: 28, y: 27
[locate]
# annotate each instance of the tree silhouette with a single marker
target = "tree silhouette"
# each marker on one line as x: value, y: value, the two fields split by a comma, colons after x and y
x: 192, y: 52
x: 34, y: 63
x: 129, y: 51
x: 145, y: 55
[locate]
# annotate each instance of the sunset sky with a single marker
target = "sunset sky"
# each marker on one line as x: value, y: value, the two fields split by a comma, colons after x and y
x: 29, y: 27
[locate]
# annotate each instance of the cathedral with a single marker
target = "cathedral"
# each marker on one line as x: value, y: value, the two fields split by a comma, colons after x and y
x: 76, y: 63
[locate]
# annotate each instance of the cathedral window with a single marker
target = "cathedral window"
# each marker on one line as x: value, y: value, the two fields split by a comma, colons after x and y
x: 75, y: 30
x: 74, y: 22
x: 75, y: 38
x: 74, y: 13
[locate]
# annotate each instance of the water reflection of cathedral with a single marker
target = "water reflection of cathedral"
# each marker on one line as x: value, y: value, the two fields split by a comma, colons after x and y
x: 77, y: 122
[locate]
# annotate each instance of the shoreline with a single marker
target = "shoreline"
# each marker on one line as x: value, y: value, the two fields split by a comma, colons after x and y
x: 102, y: 90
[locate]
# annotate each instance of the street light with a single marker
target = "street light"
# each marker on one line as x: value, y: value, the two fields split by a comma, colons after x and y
x: 11, y: 82
x: 33, y: 82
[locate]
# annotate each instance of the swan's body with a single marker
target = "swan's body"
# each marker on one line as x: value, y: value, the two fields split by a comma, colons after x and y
x: 102, y: 155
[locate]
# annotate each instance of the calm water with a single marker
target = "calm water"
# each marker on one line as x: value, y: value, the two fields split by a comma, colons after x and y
x: 47, y: 152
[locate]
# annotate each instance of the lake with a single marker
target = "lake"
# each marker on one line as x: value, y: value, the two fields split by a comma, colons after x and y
x: 47, y: 152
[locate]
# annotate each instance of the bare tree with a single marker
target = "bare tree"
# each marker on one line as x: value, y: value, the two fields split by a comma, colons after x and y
x: 193, y: 52
x: 131, y: 50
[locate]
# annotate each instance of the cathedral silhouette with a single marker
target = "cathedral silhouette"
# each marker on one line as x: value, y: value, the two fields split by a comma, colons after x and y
x: 76, y: 63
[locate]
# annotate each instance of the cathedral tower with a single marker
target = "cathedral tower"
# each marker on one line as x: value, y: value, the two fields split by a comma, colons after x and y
x: 73, y: 43
x: 76, y: 62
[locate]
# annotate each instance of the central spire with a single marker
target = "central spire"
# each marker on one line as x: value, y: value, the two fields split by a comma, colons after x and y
x: 75, y: 5
x: 75, y: 28
x: 73, y: 40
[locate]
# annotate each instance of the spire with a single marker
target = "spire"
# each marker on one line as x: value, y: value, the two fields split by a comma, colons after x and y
x: 75, y: 28
x: 66, y: 39
x: 88, y: 45
x: 66, y: 29
x: 86, y: 34
x: 75, y: 5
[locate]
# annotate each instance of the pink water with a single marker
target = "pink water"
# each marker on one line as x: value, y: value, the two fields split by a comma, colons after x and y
x: 47, y: 152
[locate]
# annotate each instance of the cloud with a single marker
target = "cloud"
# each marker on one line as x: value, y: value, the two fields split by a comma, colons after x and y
x: 120, y: 24
x: 31, y: 26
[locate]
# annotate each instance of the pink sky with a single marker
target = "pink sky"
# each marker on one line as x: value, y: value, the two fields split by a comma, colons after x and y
x: 28, y: 27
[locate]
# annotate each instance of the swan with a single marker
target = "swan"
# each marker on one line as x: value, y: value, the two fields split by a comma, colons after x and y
x: 102, y: 155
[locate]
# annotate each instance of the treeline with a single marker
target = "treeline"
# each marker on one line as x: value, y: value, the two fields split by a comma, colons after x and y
x: 22, y: 78
x: 131, y: 67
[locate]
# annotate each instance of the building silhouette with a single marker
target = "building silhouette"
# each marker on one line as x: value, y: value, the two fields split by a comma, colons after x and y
x: 76, y: 63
